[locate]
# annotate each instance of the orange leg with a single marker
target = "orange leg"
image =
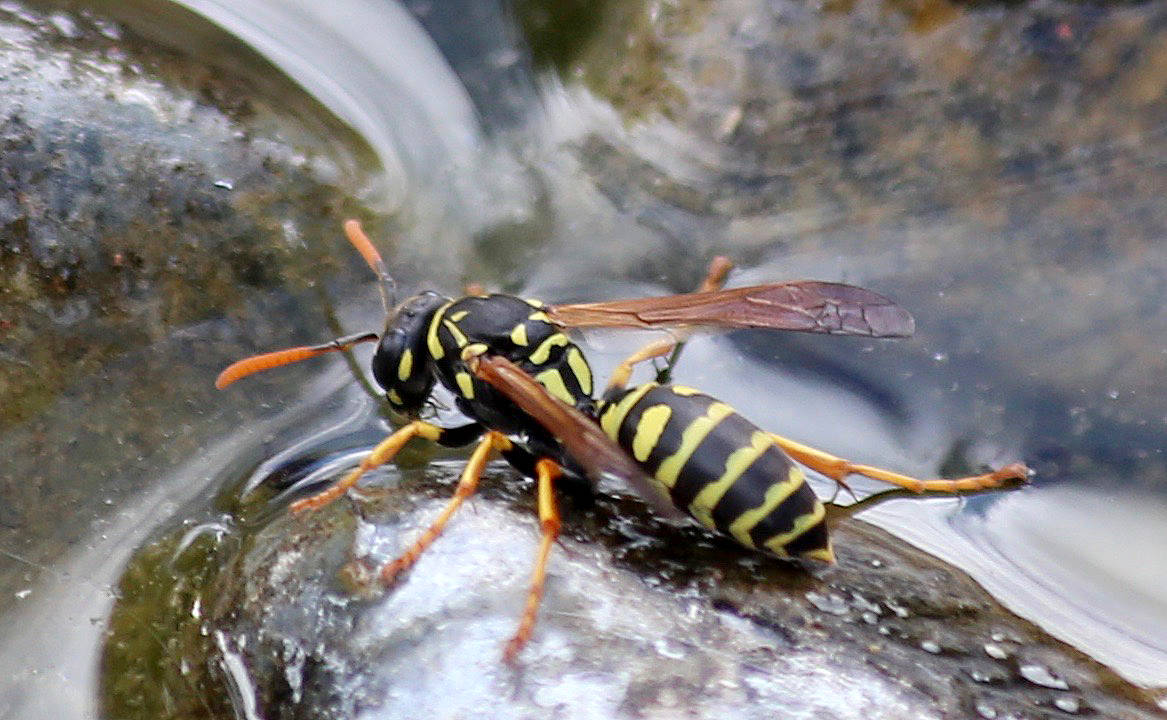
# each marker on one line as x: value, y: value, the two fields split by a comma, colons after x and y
x: 654, y: 349
x: 719, y: 267
x: 838, y: 469
x: 466, y: 486
x: 546, y: 472
x: 380, y: 455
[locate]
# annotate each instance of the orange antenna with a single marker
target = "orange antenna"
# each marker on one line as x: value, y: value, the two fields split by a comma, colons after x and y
x: 266, y: 361
x: 359, y: 240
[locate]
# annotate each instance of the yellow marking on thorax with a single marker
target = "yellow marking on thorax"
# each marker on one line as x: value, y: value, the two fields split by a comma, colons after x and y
x: 539, y: 316
x: 613, y: 415
x: 649, y: 429
x: 457, y: 317
x: 519, y: 335
x: 553, y: 381
x: 684, y: 390
x: 544, y: 350
x: 534, y: 303
x: 802, y: 523
x: 691, y: 439
x: 431, y: 338
x: 579, y: 366
x: 742, y: 525
x: 405, y: 367
x: 737, y: 463
x: 474, y: 350
x: 465, y: 384
x: 456, y: 332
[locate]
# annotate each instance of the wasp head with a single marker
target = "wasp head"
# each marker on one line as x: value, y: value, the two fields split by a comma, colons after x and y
x: 401, y: 364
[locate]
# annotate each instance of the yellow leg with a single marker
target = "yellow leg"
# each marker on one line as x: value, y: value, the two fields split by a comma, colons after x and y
x: 380, y: 455
x: 838, y: 469
x: 654, y: 349
x: 719, y: 267
x: 466, y: 487
x: 546, y: 471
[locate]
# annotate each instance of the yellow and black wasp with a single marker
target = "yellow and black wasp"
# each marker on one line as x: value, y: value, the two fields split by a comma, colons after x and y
x: 528, y: 392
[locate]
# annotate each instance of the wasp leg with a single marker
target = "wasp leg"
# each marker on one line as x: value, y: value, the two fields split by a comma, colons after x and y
x: 623, y: 371
x: 380, y: 455
x: 838, y: 469
x: 466, y: 486
x: 546, y: 472
x: 837, y: 513
x: 719, y: 268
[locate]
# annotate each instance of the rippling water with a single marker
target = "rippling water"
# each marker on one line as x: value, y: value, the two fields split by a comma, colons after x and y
x: 983, y: 167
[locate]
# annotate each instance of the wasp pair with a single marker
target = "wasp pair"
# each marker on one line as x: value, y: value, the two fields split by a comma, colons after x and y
x: 529, y: 395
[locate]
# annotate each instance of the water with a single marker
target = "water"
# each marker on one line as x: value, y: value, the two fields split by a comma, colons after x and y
x: 998, y: 170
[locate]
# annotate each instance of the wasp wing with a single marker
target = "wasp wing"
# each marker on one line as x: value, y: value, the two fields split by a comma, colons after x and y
x: 806, y: 306
x: 582, y: 437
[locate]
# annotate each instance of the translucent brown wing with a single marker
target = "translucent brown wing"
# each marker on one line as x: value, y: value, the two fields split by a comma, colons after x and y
x: 807, y: 306
x: 580, y: 436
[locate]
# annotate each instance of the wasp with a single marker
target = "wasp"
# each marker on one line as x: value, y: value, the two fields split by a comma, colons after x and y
x: 528, y: 393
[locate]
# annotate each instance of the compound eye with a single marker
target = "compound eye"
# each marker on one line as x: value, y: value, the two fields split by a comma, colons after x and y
x: 387, y: 358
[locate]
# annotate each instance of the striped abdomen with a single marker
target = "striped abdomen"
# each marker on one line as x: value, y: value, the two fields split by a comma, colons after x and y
x: 720, y: 468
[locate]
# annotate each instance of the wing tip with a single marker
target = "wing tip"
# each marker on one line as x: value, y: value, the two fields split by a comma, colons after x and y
x: 890, y: 320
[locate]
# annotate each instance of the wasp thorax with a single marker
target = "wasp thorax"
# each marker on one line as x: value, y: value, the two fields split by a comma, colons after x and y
x: 400, y: 364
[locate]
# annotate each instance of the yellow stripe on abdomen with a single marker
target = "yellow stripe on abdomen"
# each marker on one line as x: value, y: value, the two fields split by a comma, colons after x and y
x: 691, y: 439
x: 613, y: 415
x: 737, y: 463
x: 648, y: 431
x: 742, y: 525
x: 777, y: 544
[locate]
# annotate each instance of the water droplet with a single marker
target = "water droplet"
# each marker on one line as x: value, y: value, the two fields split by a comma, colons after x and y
x: 979, y: 676
x: 995, y: 651
x: 65, y: 25
x: 930, y: 646
x: 22, y: 594
x: 870, y: 618
x: 1039, y: 675
x: 1112, y: 394
x: 899, y: 610
x: 225, y: 184
x: 986, y: 711
x: 833, y: 604
x: 666, y: 649
x: 864, y: 604
x: 1067, y: 703
x: 940, y: 357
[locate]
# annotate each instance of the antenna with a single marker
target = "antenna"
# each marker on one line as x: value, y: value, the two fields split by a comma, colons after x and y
x: 388, y: 288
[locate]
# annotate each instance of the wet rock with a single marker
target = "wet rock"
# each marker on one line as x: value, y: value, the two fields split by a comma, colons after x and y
x: 140, y: 192
x: 640, y: 619
x: 144, y: 196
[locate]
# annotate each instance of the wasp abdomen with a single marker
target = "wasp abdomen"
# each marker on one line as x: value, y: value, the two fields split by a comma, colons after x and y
x: 720, y: 468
